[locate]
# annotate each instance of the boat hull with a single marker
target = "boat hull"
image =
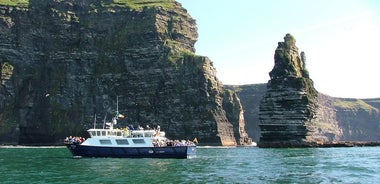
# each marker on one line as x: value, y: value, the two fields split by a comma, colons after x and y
x: 132, y: 152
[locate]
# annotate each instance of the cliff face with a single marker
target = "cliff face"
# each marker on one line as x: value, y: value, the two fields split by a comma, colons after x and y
x: 63, y: 62
x: 327, y: 124
x: 250, y: 96
x: 337, y: 119
x: 235, y: 113
x: 360, y: 119
x: 290, y: 102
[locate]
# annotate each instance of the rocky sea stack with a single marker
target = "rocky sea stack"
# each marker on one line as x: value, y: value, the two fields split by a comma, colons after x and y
x: 290, y: 103
x: 63, y: 62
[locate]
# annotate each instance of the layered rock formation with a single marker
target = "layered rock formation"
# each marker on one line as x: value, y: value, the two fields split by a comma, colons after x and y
x: 290, y: 103
x: 63, y: 62
x: 235, y: 113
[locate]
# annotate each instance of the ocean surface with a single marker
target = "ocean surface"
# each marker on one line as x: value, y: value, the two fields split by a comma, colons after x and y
x: 211, y: 165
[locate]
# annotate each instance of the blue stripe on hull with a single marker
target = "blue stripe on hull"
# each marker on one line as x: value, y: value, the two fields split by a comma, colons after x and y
x: 136, y: 152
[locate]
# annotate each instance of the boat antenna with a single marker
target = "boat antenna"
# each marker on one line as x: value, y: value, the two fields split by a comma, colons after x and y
x: 104, y: 120
x: 95, y: 121
x: 117, y: 106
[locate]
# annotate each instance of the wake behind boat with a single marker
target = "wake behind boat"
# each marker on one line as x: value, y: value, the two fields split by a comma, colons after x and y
x: 129, y: 143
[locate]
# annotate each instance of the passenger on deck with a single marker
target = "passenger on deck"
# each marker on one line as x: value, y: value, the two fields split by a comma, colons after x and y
x: 131, y: 127
x: 74, y: 140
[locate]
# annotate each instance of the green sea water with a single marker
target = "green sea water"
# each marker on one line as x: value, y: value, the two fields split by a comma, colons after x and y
x: 211, y: 165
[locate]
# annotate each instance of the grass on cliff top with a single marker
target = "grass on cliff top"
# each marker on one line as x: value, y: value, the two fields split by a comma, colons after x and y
x: 133, y: 4
x: 139, y: 4
x: 372, y: 100
x: 354, y: 104
x: 14, y: 2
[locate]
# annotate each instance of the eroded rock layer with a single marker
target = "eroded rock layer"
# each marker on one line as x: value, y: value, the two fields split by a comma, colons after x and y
x: 290, y: 103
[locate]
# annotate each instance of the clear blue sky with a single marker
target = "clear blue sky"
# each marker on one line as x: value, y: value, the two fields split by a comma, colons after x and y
x: 341, y: 39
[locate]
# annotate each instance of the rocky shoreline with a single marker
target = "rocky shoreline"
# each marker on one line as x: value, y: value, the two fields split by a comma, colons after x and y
x: 331, y: 144
x: 350, y: 144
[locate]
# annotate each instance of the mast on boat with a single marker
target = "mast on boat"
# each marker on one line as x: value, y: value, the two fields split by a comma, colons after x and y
x: 95, y: 121
x: 117, y: 105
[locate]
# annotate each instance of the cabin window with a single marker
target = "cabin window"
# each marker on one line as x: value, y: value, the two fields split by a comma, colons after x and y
x: 105, y: 141
x: 98, y: 133
x: 118, y: 133
x: 138, y: 141
x: 104, y: 133
x: 122, y: 141
x: 93, y: 133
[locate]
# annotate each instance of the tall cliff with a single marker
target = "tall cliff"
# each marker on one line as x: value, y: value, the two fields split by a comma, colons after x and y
x: 290, y: 103
x: 63, y: 62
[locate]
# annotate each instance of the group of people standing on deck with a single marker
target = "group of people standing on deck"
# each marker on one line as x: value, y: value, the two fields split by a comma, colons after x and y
x: 175, y: 143
x: 156, y: 127
x: 74, y: 140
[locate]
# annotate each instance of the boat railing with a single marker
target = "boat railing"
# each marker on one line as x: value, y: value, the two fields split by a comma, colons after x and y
x: 125, y: 133
x: 146, y: 133
x: 105, y: 132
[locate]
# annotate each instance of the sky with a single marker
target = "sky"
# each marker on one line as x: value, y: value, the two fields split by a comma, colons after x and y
x: 341, y: 40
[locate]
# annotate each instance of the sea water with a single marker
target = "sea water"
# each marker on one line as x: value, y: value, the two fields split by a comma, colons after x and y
x: 211, y: 165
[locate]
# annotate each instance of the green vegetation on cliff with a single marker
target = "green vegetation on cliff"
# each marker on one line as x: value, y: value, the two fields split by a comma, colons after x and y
x: 133, y: 4
x: 353, y: 104
x: 138, y: 5
x: 14, y: 2
x: 6, y: 69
